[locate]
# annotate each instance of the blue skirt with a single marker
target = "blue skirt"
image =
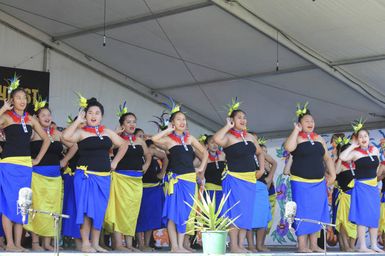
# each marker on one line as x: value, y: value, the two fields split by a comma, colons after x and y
x: 150, y: 214
x: 312, y: 203
x: 365, y: 205
x: 91, y: 196
x: 69, y: 226
x: 261, y: 212
x: 243, y: 192
x: 13, y: 177
x: 175, y: 207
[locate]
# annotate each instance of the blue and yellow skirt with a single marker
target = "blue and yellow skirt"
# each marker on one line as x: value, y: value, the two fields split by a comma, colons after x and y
x: 213, y: 189
x: 124, y: 204
x: 47, y: 196
x: 312, y: 203
x: 69, y: 226
x: 243, y: 189
x: 181, y: 189
x: 365, y: 203
x: 92, y: 190
x: 151, y: 208
x: 15, y: 173
x: 381, y: 225
x: 342, y: 214
x: 261, y: 212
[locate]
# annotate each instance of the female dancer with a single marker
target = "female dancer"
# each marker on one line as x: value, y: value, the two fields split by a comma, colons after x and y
x: 151, y: 207
x: 381, y: 176
x: 365, y: 203
x: 215, y: 167
x: 243, y: 155
x: 46, y: 180
x: 347, y: 231
x: 309, y: 191
x: 92, y: 176
x: 18, y: 126
x: 262, y: 211
x: 182, y: 176
x: 127, y: 187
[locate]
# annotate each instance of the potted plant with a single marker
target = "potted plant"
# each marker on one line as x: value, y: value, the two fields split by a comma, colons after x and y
x: 211, y: 222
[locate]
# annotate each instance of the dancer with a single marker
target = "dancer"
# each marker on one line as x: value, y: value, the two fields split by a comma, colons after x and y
x: 365, y: 203
x: 182, y: 177
x: 151, y: 207
x: 127, y: 187
x: 215, y: 167
x: 347, y: 231
x: 308, y: 184
x: 46, y: 180
x: 243, y: 155
x: 262, y: 209
x: 92, y: 176
x: 16, y: 160
x: 381, y: 176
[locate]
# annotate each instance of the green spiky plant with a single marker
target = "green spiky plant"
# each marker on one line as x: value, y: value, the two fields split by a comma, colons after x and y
x: 208, y: 218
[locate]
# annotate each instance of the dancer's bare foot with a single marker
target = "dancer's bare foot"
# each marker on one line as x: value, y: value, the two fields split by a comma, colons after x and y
x: 263, y: 249
x: 252, y: 249
x: 316, y: 249
x: 146, y: 249
x: 244, y: 250
x: 376, y: 249
x: 238, y: 250
x: 122, y: 248
x: 179, y: 250
x: 133, y: 249
x: 13, y: 248
x: 364, y: 249
x: 98, y: 248
x: 36, y: 247
x: 88, y: 249
x: 304, y: 250
x: 49, y: 248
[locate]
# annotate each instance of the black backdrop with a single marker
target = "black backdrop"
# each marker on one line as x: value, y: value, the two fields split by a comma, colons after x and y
x: 36, y: 84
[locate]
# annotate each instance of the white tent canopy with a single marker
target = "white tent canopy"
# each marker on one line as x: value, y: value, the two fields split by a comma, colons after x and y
x: 203, y: 53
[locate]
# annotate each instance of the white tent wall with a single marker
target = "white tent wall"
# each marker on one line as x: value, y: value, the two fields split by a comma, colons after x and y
x: 68, y: 76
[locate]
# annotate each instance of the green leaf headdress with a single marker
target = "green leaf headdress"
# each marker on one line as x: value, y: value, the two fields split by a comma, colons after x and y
x: 233, y: 106
x: 262, y: 141
x: 13, y: 83
x: 342, y: 141
x: 122, y: 110
x: 301, y: 111
x: 39, y: 104
x: 172, y: 106
x: 82, y: 101
x: 358, y: 125
x: 202, y: 138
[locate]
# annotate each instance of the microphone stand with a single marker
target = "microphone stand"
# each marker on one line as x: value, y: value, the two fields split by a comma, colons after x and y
x: 56, y: 217
x: 323, y: 224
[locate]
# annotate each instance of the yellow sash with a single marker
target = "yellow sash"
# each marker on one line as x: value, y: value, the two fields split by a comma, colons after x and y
x: 246, y: 176
x: 150, y: 185
x: 371, y: 182
x: 69, y: 171
x: 296, y: 178
x: 173, y: 180
x: 19, y: 160
x: 86, y: 172
x: 212, y: 186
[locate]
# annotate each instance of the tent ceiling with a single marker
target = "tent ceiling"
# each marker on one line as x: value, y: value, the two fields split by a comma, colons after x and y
x: 201, y: 55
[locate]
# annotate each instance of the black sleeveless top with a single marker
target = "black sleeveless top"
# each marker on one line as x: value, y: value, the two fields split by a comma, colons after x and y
x: 181, y: 161
x: 213, y: 174
x: 73, y: 162
x: 151, y: 174
x: 2, y: 143
x: 366, y: 168
x: 132, y: 160
x: 343, y: 179
x: 308, y: 160
x: 240, y: 157
x: 18, y: 142
x: 94, y: 153
x: 53, y: 155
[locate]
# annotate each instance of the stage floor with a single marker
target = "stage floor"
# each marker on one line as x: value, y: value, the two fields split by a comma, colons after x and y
x: 278, y: 251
